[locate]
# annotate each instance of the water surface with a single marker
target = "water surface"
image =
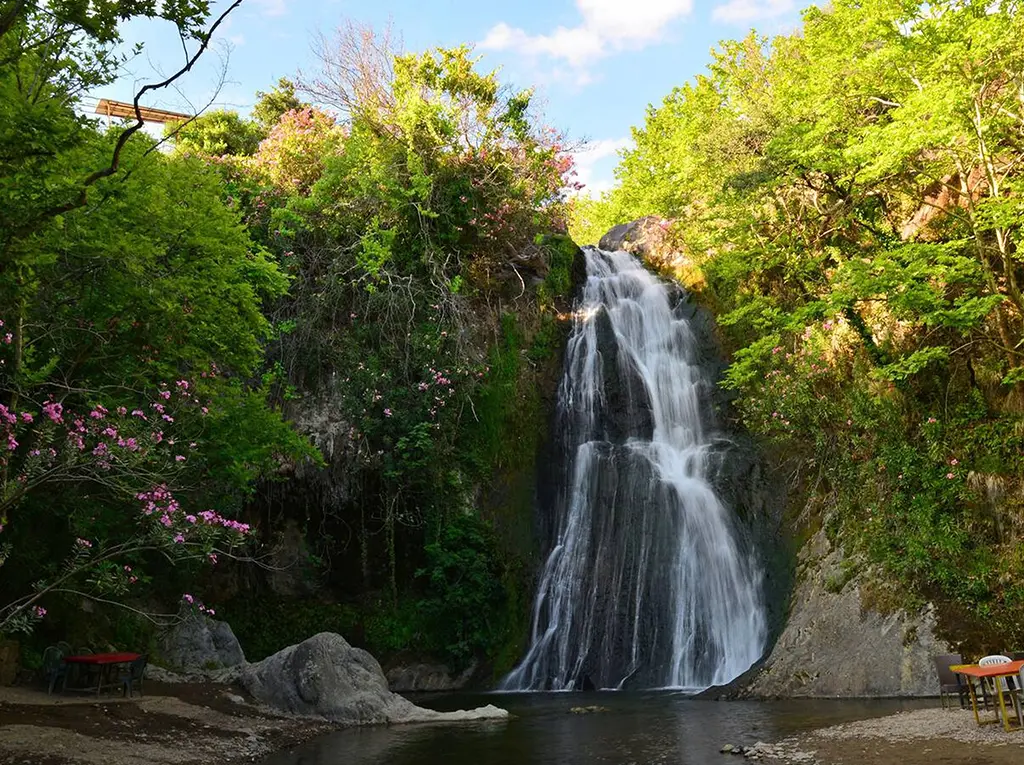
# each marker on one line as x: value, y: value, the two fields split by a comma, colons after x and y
x: 638, y: 729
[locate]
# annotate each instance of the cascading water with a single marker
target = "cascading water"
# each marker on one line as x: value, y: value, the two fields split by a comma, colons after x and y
x: 647, y: 583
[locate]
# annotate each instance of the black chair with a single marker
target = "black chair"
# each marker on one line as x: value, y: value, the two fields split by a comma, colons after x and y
x: 949, y: 681
x: 132, y: 677
x: 54, y: 669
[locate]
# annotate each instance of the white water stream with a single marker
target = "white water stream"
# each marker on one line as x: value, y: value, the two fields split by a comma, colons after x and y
x: 648, y: 583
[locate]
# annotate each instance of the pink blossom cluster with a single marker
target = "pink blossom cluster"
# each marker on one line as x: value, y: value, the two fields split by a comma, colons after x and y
x: 98, y: 434
x: 159, y: 503
x: 195, y: 603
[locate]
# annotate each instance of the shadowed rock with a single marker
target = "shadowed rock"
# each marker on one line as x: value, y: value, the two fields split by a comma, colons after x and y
x: 326, y: 677
x: 199, y: 643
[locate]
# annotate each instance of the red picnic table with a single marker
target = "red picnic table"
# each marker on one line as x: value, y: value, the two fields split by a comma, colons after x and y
x: 103, y: 662
x: 993, y: 672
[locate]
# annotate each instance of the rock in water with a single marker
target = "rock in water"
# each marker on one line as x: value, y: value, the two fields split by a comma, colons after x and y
x: 199, y: 643
x: 326, y: 677
x: 428, y: 677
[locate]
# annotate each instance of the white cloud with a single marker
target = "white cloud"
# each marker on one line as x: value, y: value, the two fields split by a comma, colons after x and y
x: 272, y: 7
x: 595, y: 163
x: 606, y: 27
x: 743, y: 11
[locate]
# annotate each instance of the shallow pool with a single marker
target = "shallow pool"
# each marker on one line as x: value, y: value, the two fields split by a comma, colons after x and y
x: 636, y: 729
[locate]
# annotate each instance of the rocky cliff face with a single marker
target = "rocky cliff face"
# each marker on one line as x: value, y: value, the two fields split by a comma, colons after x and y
x: 836, y: 644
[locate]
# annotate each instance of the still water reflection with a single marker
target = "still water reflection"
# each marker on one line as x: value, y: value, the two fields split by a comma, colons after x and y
x: 637, y: 729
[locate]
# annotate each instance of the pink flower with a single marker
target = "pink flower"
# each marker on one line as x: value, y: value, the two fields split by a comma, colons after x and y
x: 188, y: 598
x: 387, y: 412
x: 83, y: 542
x: 932, y: 420
x: 26, y: 417
x: 178, y: 539
x: 54, y: 410
x: 179, y: 457
x: 949, y: 476
x: 954, y: 461
x: 39, y: 612
x: 122, y: 411
x: 165, y: 394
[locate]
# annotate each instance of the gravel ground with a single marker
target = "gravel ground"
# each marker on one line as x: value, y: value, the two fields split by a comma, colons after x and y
x: 921, y: 737
x: 181, y: 724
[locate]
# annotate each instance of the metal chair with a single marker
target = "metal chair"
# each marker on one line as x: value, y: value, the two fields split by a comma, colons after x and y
x: 132, y: 677
x: 949, y: 681
x: 54, y: 668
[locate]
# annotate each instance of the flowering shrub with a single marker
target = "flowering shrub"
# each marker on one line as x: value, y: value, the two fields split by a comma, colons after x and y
x: 114, y: 449
x: 292, y: 156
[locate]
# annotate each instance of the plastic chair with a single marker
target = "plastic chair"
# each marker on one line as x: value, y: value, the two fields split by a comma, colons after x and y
x: 54, y: 668
x: 949, y: 681
x: 132, y: 677
x: 987, y: 661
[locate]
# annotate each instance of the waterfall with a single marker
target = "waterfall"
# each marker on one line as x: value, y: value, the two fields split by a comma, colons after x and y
x: 648, y: 582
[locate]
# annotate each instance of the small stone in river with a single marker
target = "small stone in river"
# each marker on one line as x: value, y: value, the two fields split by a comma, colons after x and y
x: 726, y: 749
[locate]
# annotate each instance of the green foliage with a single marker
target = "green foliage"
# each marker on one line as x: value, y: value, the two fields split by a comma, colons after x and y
x: 216, y: 133
x: 121, y: 270
x: 273, y: 105
x: 464, y: 595
x: 265, y: 625
x: 285, y: 260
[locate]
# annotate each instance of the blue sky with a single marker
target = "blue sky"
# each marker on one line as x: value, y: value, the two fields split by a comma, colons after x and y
x: 596, y: 64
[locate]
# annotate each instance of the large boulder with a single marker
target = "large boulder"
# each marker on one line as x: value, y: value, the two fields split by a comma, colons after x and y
x: 326, y: 677
x: 654, y: 241
x: 201, y: 644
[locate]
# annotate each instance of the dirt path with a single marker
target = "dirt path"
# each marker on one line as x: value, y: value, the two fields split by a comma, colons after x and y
x: 180, y: 724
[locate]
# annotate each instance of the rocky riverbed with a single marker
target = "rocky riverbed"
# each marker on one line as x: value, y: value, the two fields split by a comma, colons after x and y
x: 173, y: 724
x: 919, y: 737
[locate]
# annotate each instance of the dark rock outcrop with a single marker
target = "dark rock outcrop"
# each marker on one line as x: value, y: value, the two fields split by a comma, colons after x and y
x: 199, y: 643
x: 412, y: 678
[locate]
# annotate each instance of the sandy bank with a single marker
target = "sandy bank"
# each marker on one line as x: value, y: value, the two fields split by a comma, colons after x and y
x: 180, y: 724
x: 920, y: 737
